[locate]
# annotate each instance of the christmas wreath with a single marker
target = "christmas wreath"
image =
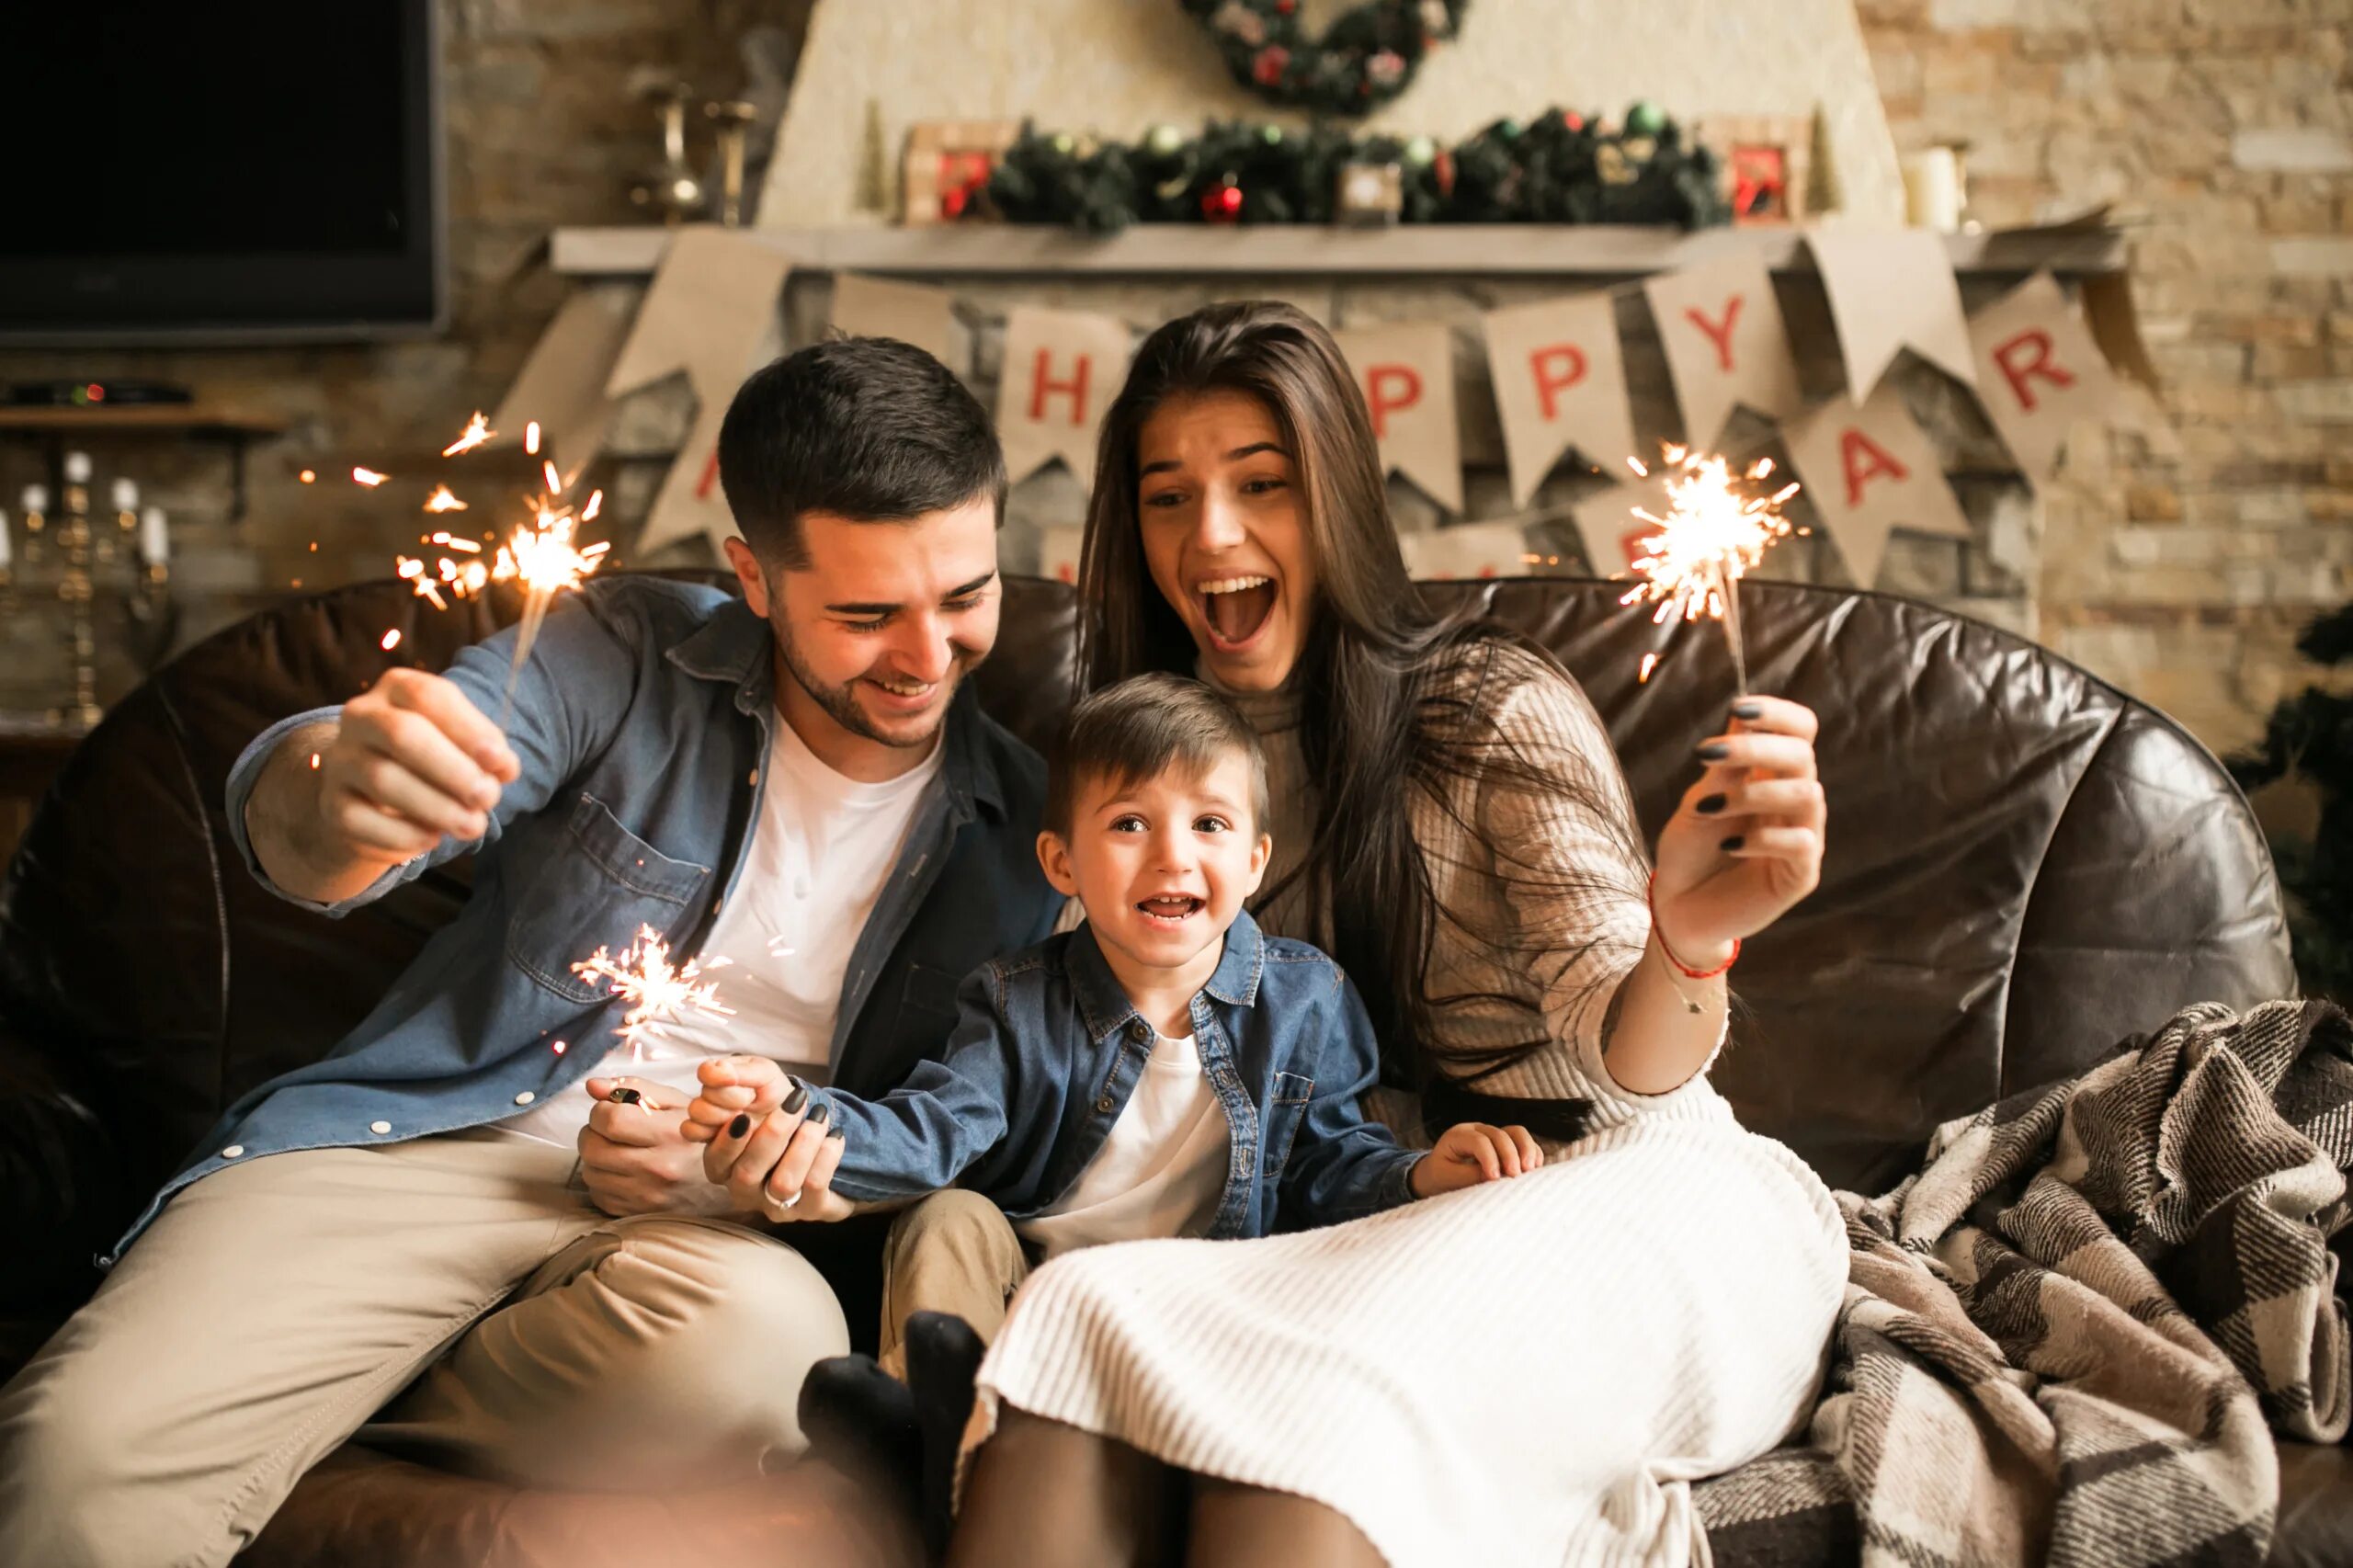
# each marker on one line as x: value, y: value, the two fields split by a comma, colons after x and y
x: 1363, y: 59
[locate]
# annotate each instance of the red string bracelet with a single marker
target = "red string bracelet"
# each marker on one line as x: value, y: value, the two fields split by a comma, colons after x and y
x: 1684, y: 968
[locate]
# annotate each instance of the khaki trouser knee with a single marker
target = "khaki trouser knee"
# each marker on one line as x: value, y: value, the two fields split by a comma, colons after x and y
x: 954, y: 1252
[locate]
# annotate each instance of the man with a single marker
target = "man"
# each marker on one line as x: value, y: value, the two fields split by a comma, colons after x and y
x: 458, y: 1211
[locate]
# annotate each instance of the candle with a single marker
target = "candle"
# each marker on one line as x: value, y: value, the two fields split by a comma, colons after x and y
x: 126, y: 495
x: 7, y: 544
x: 154, y: 543
x: 1932, y: 197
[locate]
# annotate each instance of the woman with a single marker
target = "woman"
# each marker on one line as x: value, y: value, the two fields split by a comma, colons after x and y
x: 1530, y: 1372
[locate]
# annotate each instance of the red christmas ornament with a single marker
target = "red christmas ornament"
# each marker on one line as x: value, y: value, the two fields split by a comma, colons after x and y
x: 951, y: 202
x: 1267, y: 68
x: 1574, y: 120
x: 1443, y: 167
x: 1286, y: 6
x: 1221, y: 205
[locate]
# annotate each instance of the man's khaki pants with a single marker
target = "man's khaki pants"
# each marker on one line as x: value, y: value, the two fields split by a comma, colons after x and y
x: 274, y: 1307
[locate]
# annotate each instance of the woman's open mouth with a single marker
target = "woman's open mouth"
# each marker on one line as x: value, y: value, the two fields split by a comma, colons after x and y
x: 1170, y: 911
x: 1235, y: 609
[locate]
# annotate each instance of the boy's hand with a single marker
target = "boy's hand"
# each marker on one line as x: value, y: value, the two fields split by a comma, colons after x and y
x: 732, y: 1086
x: 1471, y: 1152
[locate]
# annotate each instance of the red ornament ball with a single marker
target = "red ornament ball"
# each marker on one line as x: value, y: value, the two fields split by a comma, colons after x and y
x: 1286, y: 6
x: 1267, y: 68
x: 1574, y: 120
x: 1221, y: 205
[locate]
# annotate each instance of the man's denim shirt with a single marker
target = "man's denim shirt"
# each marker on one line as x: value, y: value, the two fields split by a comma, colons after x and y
x: 1047, y: 1049
x: 642, y: 723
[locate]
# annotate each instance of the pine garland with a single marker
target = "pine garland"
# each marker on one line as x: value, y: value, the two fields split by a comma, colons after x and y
x: 1562, y: 168
x: 1364, y: 59
x: 2311, y: 736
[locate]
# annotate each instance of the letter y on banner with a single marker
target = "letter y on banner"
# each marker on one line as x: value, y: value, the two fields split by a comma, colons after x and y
x: 1725, y: 344
x: 1061, y: 370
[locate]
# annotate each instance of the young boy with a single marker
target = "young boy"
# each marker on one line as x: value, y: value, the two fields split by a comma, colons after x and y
x: 1164, y: 1069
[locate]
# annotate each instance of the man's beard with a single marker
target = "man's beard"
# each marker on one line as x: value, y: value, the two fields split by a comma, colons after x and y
x: 840, y: 702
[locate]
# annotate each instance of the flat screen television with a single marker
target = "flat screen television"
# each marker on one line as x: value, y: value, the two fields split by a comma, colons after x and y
x: 244, y: 172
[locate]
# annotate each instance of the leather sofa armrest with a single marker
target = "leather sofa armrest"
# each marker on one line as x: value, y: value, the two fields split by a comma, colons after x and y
x: 61, y: 1178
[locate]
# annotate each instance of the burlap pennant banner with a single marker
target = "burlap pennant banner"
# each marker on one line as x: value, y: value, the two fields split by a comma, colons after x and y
x: 2038, y: 371
x: 1406, y: 373
x: 876, y: 307
x: 710, y: 310
x: 1061, y: 370
x: 1560, y: 383
x: 1466, y: 550
x: 1889, y: 289
x: 1726, y: 345
x: 561, y: 385
x: 1609, y: 529
x: 1869, y: 471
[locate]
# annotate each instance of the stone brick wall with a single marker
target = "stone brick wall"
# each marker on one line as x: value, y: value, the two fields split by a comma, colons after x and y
x: 2180, y: 560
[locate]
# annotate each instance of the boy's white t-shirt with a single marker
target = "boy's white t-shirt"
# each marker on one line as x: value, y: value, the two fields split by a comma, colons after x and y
x: 1159, y: 1172
x: 820, y: 853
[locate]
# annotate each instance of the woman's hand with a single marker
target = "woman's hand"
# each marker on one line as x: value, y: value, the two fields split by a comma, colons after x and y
x: 1745, y: 844
x: 780, y: 1165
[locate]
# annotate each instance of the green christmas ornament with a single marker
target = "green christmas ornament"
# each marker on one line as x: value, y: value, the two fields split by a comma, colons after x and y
x: 1064, y: 142
x: 1508, y: 129
x: 1163, y: 139
x: 1420, y: 152
x: 1645, y: 118
x: 1272, y: 135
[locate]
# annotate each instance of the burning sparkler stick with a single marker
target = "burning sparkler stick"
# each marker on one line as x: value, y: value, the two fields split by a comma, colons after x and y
x: 658, y: 993
x: 1711, y: 535
x: 544, y: 560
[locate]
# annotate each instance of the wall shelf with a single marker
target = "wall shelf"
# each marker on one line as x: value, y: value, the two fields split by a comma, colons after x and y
x: 1493, y: 250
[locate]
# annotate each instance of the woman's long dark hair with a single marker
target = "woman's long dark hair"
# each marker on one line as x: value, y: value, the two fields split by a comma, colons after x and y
x: 1388, y: 691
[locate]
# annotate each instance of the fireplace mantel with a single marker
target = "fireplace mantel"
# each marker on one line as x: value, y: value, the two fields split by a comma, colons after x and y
x: 1452, y: 250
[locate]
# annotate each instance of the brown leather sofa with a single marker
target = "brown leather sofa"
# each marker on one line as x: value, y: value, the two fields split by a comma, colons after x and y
x: 2024, y: 866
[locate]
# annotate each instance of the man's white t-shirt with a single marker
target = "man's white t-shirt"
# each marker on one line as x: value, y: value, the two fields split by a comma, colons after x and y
x: 820, y: 853
x: 1160, y: 1171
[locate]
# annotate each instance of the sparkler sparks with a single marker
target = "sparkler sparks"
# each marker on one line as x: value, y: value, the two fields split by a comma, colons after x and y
x: 531, y: 438
x: 477, y: 431
x: 369, y: 477
x: 658, y: 993
x: 1712, y: 533
x: 392, y: 640
x: 442, y: 500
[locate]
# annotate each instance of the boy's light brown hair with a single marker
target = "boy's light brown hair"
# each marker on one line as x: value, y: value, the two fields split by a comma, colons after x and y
x: 1144, y: 727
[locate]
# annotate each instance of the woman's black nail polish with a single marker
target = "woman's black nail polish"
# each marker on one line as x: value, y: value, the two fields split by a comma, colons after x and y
x: 740, y: 1125
x: 821, y: 1115
x: 1709, y: 805
x: 838, y: 1132
x: 1714, y: 751
x: 795, y: 1100
x: 625, y: 1095
x: 1735, y: 841
x: 1748, y: 710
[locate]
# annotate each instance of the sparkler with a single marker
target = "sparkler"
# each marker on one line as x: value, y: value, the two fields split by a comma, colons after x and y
x: 1711, y: 535
x: 477, y: 431
x: 369, y: 477
x: 545, y: 561
x: 442, y: 500
x: 658, y: 993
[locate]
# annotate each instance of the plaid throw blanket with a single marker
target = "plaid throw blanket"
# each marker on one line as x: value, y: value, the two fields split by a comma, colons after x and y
x: 2064, y: 1338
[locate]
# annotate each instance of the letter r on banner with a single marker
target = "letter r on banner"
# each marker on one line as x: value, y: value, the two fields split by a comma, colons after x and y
x: 2025, y: 357
x: 1389, y: 389
x: 1042, y: 386
x: 1557, y: 367
x: 1864, y: 459
x: 1718, y: 332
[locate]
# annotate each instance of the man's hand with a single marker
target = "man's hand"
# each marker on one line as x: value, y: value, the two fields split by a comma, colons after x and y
x: 635, y: 1160
x: 412, y: 761
x: 1471, y: 1152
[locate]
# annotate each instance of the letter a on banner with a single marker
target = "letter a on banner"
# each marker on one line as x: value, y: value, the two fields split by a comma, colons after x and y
x: 1061, y: 370
x: 1725, y: 344
x: 1559, y: 383
x: 1870, y: 470
x: 712, y: 307
x: 1407, y: 374
x: 2038, y: 371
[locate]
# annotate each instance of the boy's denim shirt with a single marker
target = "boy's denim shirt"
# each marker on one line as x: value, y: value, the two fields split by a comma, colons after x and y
x: 1047, y: 1049
x: 641, y: 722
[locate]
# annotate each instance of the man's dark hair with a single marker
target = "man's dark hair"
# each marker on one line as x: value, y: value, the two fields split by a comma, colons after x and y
x: 1144, y: 727
x: 868, y: 428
